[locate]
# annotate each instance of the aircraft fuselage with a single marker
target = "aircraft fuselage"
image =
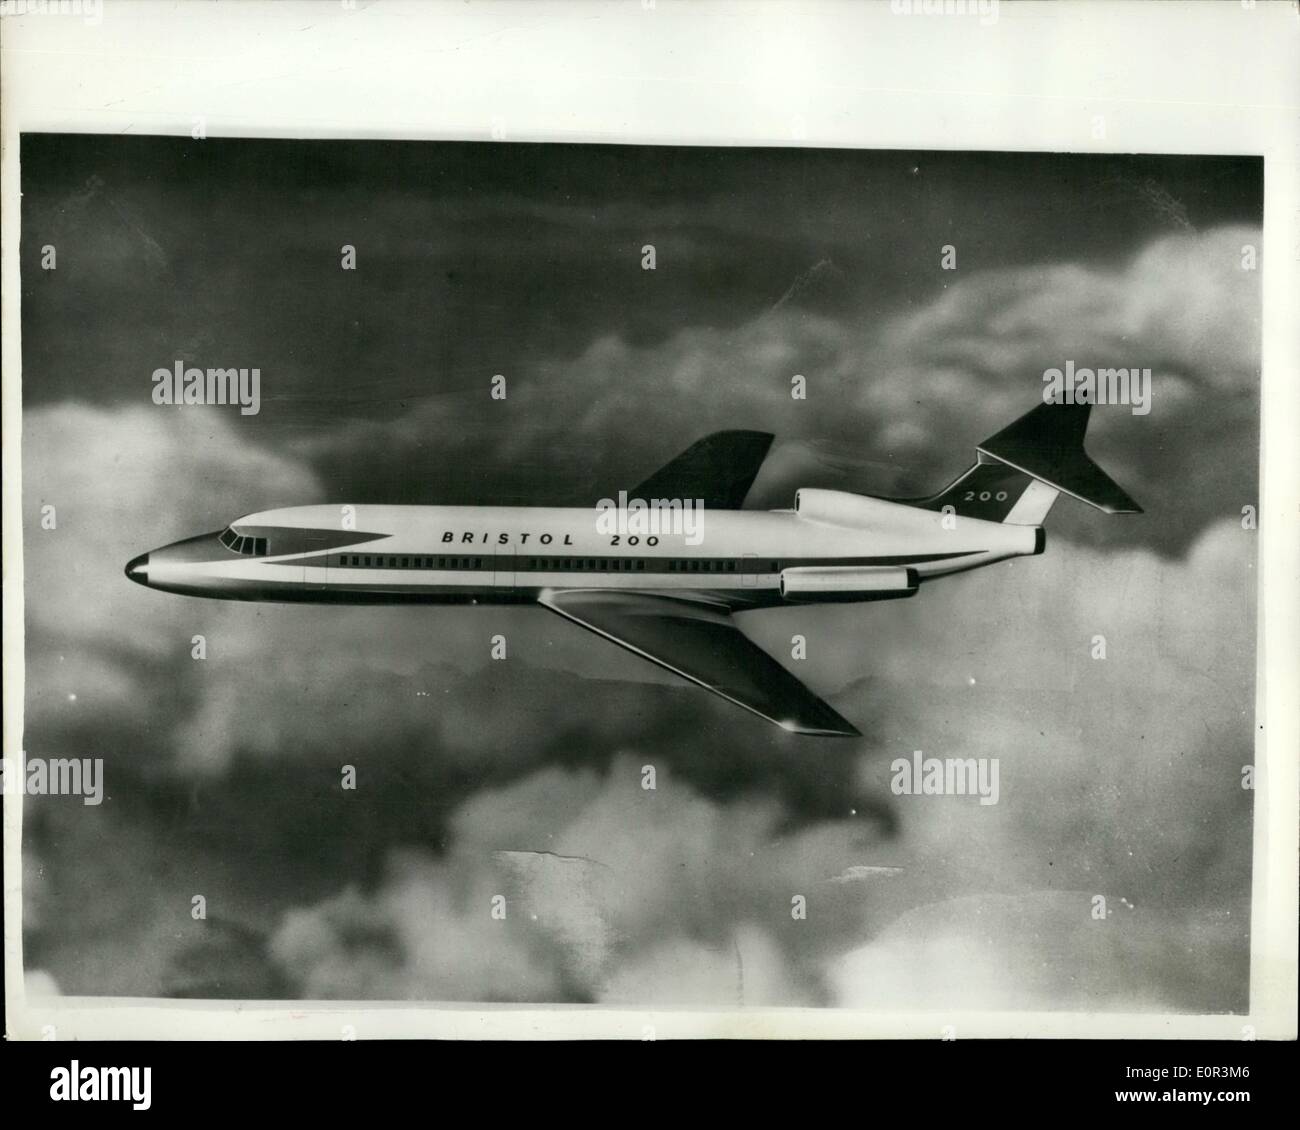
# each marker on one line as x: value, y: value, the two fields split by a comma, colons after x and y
x: 362, y: 554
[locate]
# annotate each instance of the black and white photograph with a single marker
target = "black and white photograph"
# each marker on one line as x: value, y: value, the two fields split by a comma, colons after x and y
x: 385, y: 449
x: 662, y: 578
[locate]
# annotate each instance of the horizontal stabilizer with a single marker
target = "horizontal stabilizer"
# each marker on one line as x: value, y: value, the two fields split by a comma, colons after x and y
x: 1047, y: 444
x: 719, y: 469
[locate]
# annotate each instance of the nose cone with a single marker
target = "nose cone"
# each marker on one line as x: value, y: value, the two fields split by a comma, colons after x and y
x: 137, y: 569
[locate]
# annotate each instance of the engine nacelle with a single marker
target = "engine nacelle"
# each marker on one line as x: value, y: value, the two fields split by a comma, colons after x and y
x: 839, y: 507
x: 847, y: 582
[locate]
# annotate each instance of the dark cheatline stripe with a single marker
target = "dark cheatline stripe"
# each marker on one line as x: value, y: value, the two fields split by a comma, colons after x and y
x: 502, y: 563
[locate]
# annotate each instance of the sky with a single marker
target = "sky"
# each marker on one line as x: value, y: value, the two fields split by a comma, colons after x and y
x: 522, y: 777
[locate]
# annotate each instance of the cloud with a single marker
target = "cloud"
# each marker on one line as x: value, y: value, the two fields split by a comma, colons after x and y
x: 1042, y: 952
x: 751, y: 973
x: 896, y: 402
x: 521, y: 778
x: 612, y: 893
x: 427, y: 934
x: 1121, y: 777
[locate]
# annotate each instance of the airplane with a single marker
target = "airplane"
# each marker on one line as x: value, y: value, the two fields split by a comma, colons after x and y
x: 667, y: 595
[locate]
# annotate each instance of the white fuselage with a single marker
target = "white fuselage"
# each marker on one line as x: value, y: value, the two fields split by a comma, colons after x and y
x: 388, y: 554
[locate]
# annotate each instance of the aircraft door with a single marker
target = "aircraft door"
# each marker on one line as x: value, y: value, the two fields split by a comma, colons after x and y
x: 315, y: 572
x: 503, y: 568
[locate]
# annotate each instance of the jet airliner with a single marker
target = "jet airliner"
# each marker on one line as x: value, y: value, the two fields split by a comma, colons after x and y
x: 667, y: 596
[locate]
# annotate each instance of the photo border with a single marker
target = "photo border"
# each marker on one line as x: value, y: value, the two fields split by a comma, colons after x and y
x: 1170, y: 78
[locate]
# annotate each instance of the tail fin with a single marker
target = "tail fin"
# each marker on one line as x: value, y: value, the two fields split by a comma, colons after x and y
x: 1022, y: 468
x: 718, y: 469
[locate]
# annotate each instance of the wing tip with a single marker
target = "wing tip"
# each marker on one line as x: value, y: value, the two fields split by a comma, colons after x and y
x: 840, y: 729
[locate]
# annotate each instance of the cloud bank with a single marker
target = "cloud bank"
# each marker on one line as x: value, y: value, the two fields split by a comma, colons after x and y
x: 522, y: 779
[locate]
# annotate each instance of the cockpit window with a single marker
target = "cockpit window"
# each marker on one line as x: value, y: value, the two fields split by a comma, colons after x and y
x: 243, y: 545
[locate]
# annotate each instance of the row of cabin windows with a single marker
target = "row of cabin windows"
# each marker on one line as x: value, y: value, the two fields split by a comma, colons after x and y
x: 561, y: 564
x: 248, y: 547
x: 366, y: 561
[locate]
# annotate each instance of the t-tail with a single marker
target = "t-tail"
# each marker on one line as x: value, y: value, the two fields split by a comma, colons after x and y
x: 1020, y: 471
